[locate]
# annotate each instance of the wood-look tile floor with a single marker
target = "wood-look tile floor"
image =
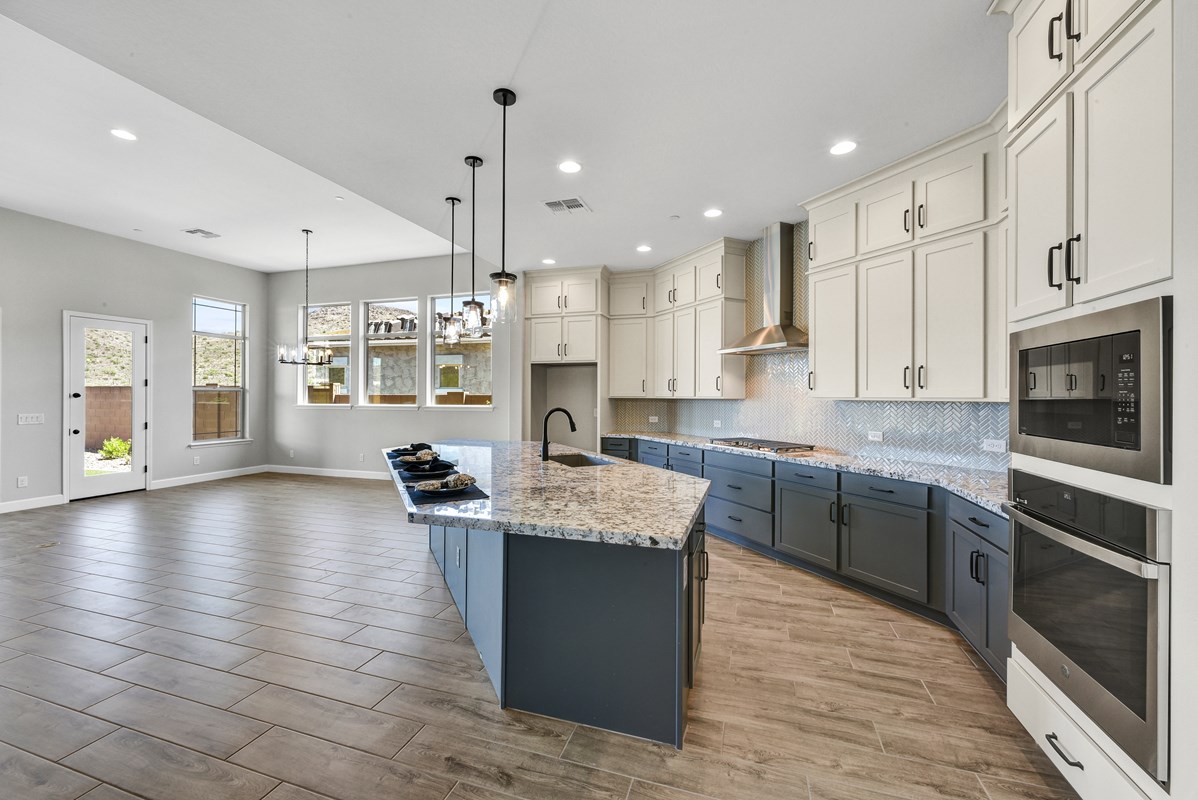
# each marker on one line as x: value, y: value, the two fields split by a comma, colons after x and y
x: 290, y: 638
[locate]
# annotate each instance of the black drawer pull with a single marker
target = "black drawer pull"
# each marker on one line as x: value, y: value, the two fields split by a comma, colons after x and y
x: 735, y: 519
x: 883, y: 491
x: 737, y: 488
x: 832, y: 512
x: 977, y: 521
x: 1052, y: 740
x: 804, y: 477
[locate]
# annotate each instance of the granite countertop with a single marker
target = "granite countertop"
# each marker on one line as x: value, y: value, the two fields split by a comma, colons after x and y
x: 985, y: 488
x: 620, y: 503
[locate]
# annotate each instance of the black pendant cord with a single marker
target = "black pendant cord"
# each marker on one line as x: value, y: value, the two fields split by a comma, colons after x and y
x: 473, y: 217
x: 503, y: 197
x: 307, y: 304
x: 453, y: 209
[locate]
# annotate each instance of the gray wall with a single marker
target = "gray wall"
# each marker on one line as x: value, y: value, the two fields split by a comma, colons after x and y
x: 47, y: 267
x: 335, y: 437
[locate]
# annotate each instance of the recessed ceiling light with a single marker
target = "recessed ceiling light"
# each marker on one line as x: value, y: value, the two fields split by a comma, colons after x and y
x: 712, y: 212
x: 673, y: 218
x: 548, y: 261
x: 339, y: 197
x: 644, y: 248
x: 570, y: 166
x: 840, y: 148
x: 121, y: 133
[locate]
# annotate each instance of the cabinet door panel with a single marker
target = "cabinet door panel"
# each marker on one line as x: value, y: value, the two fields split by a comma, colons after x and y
x: 545, y: 297
x: 950, y: 319
x: 663, y: 355
x: 663, y: 292
x: 1123, y: 163
x: 1038, y: 381
x: 628, y: 371
x: 1039, y: 185
x: 885, y: 545
x: 455, y: 566
x: 994, y: 571
x: 805, y: 523
x: 833, y: 233
x: 630, y: 299
x: 709, y: 338
x: 886, y: 217
x: 833, y: 353
x: 1032, y: 72
x: 684, y: 285
x: 998, y: 353
x: 684, y: 353
x: 580, y: 295
x: 545, y: 336
x: 884, y: 327
x: 436, y: 544
x: 951, y: 194
x: 1097, y: 18
x: 580, y: 338
x: 710, y: 279
x: 966, y: 600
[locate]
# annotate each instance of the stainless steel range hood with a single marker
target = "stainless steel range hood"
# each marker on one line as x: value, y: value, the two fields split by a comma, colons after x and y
x: 779, y: 334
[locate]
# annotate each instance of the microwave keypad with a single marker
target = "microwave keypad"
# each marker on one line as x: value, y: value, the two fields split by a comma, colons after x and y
x: 1127, y: 411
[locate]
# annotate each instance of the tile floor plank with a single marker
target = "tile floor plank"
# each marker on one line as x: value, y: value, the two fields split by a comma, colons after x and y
x: 188, y: 647
x: 320, y: 679
x: 26, y: 777
x: 312, y: 648
x: 65, y: 685
x: 88, y: 623
x: 184, y: 679
x: 45, y: 729
x: 71, y: 648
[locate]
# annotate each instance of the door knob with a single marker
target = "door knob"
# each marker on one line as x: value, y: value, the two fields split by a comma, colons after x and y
x: 75, y: 431
x: 76, y: 395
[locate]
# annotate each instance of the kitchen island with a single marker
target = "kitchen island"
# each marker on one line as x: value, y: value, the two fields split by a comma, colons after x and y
x: 580, y: 586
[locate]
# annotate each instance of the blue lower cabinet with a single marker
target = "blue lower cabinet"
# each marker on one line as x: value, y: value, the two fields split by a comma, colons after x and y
x: 485, y: 609
x: 436, y: 544
x: 885, y: 545
x: 455, y: 566
x: 734, y: 518
x: 805, y: 523
x: 653, y: 461
x: 686, y: 468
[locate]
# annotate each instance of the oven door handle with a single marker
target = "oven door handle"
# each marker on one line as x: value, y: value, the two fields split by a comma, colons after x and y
x: 1144, y: 569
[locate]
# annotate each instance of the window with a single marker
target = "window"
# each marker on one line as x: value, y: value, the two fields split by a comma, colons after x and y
x: 217, y: 369
x: 328, y: 327
x: 462, y: 371
x: 391, y: 352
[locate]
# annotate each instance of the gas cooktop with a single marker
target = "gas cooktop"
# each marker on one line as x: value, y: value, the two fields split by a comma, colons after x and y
x: 764, y: 445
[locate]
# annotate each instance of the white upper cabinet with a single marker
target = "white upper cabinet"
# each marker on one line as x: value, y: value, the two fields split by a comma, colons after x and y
x: 663, y: 292
x: 553, y: 294
x: 951, y: 193
x: 833, y: 329
x: 884, y: 327
x: 1122, y: 229
x: 717, y: 324
x: 663, y: 355
x: 1092, y: 20
x: 709, y: 279
x: 629, y: 297
x: 553, y: 339
x: 544, y: 297
x: 629, y: 341
x: 545, y: 340
x: 685, y: 288
x: 832, y: 233
x: 674, y: 287
x: 950, y: 318
x: 886, y: 216
x: 580, y: 295
x: 998, y: 354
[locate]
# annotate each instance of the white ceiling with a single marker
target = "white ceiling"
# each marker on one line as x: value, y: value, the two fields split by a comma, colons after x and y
x: 671, y: 106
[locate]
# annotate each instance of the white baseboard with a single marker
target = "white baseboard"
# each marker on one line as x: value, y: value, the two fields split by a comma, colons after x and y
x: 33, y: 502
x: 329, y: 473
x: 202, y: 477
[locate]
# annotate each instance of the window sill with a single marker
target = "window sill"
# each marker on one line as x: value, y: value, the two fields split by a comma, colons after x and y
x: 219, y: 442
x: 337, y: 406
x: 390, y: 406
x: 457, y: 408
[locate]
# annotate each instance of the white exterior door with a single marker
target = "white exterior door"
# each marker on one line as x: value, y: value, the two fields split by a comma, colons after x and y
x: 833, y: 322
x: 581, y: 338
x: 663, y: 355
x: 1123, y: 164
x: 684, y: 353
x: 628, y: 376
x: 950, y: 319
x: 886, y: 217
x: 106, y: 405
x: 545, y: 337
x: 884, y: 327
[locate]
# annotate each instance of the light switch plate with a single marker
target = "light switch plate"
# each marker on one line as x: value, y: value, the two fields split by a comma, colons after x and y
x: 875, y: 436
x: 31, y: 419
x: 23, y: 482
x: 717, y: 423
x: 653, y: 419
x: 994, y: 445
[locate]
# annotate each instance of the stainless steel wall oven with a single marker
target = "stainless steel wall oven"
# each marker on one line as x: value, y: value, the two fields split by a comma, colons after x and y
x: 1090, y: 607
x: 1095, y: 391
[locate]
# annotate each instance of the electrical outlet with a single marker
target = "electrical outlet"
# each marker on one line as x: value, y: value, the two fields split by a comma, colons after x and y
x: 195, y: 461
x: 994, y: 445
x: 361, y: 456
x: 653, y: 419
x: 717, y: 423
x: 875, y: 436
x: 31, y: 419
x: 23, y: 482
x: 291, y: 453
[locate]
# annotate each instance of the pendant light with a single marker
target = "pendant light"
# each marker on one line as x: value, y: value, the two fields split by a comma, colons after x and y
x: 309, y: 356
x: 453, y: 328
x: 503, y: 283
x: 472, y: 310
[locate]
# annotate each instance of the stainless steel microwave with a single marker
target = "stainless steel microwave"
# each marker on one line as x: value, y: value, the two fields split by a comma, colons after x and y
x: 1096, y: 391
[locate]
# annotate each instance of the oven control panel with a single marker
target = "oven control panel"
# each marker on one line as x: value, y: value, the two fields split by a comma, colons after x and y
x: 1126, y: 351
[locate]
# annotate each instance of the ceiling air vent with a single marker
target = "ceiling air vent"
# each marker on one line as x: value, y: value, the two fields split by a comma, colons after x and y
x: 571, y: 205
x: 204, y: 233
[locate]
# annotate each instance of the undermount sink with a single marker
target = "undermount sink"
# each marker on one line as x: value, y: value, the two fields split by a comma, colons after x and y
x: 580, y: 460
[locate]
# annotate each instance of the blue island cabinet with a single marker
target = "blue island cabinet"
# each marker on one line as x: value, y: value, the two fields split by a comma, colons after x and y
x: 600, y: 634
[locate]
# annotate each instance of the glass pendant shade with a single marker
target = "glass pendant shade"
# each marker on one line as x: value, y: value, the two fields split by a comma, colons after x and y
x: 503, y: 283
x: 453, y: 331
x: 472, y: 318
x: 306, y: 355
x: 503, y: 297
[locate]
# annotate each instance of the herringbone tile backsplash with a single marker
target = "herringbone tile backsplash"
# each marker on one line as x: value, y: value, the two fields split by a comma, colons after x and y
x: 779, y: 406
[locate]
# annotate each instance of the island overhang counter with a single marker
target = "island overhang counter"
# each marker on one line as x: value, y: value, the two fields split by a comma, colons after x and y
x: 581, y: 587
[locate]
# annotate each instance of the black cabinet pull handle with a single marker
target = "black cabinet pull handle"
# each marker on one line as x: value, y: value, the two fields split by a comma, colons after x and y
x: 921, y: 216
x: 559, y: 301
x: 1052, y: 740
x: 983, y: 569
x: 566, y: 349
x: 883, y: 491
x: 1053, y: 23
x: 1057, y: 286
x: 1069, y: 276
x: 907, y: 220
x: 642, y: 385
x: 1102, y: 382
x: 75, y: 431
x: 1070, y: 33
x: 737, y: 488
x: 717, y: 281
x: 643, y: 304
x: 1031, y: 381
x: 804, y: 477
x: 735, y: 519
x: 811, y: 380
x: 811, y: 250
x: 717, y: 383
x: 844, y: 514
x: 907, y: 377
x: 76, y: 395
x: 973, y: 565
x: 919, y: 379
x: 979, y: 523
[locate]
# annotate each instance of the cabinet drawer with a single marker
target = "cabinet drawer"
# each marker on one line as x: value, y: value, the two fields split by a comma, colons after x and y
x: 1096, y: 775
x: 986, y: 524
x: 652, y: 460
x: 754, y: 466
x: 809, y: 476
x: 755, y: 491
x: 658, y: 449
x: 615, y: 444
x: 742, y: 520
x: 686, y: 468
x: 886, y: 489
x: 679, y: 452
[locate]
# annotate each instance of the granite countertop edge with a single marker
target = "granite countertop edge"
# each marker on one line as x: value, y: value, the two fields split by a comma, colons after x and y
x: 960, y: 481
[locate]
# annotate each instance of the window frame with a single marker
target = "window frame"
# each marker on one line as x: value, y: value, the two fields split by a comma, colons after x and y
x: 429, y: 396
x: 364, y: 338
x: 301, y: 372
x: 242, y: 391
